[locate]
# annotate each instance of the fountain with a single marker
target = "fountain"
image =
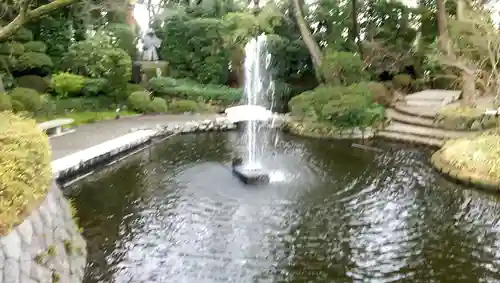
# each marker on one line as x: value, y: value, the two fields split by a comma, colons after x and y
x: 255, y: 112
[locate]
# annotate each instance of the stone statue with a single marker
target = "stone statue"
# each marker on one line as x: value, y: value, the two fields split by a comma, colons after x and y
x: 151, y: 43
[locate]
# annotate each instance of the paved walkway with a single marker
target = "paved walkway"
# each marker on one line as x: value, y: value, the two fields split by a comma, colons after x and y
x: 90, y: 135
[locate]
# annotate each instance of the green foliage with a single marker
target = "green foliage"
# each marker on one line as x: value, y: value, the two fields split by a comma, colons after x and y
x: 186, y: 89
x: 195, y: 49
x: 33, y: 60
x: 122, y: 36
x: 94, y: 87
x: 67, y: 84
x: 402, y: 82
x: 157, y: 105
x: 23, y: 35
x: 26, y: 171
x: 98, y: 58
x: 35, y: 46
x: 29, y: 99
x: 5, y: 102
x: 34, y: 82
x: 80, y: 104
x: 183, y: 105
x: 139, y: 101
x: 380, y: 93
x: 343, y: 107
x: 343, y: 68
x: 11, y: 48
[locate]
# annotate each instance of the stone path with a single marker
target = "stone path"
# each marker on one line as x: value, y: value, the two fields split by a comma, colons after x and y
x: 413, y: 120
x: 90, y: 135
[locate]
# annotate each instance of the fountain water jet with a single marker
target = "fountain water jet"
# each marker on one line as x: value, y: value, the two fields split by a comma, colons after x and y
x: 256, y: 110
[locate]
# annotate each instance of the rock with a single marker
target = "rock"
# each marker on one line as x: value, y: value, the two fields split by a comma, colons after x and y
x: 476, y: 126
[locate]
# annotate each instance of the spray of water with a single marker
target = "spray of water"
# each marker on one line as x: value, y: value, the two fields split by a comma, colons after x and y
x: 258, y: 91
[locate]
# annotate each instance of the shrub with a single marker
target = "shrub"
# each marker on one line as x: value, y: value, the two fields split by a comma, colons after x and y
x: 35, y: 46
x: 121, y: 36
x: 343, y: 68
x: 23, y: 35
x: 139, y: 101
x: 131, y: 88
x: 188, y: 89
x: 94, y: 87
x: 33, y: 60
x: 34, y: 82
x: 11, y: 48
x: 402, y: 82
x: 26, y: 171
x: 67, y: 84
x: 5, y: 102
x: 339, y: 105
x: 157, y: 105
x: 380, y: 93
x: 183, y: 105
x: 98, y: 58
x: 27, y: 97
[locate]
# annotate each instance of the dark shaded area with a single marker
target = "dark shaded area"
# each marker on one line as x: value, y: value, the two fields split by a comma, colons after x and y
x: 333, y: 214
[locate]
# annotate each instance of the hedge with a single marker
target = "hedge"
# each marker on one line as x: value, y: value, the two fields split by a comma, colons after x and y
x: 24, y: 166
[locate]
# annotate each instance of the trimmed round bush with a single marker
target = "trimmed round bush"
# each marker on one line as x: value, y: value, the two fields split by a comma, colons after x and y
x: 343, y: 68
x: 34, y: 82
x: 25, y: 166
x: 157, y: 105
x: 33, y: 60
x: 402, y: 81
x: 67, y: 84
x: 35, y: 46
x: 11, y: 48
x: 23, y: 35
x: 139, y: 101
x: 5, y: 102
x: 29, y: 99
x: 183, y: 105
x: 380, y: 93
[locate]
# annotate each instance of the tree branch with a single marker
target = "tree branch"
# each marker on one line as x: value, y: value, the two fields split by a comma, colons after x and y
x: 25, y: 15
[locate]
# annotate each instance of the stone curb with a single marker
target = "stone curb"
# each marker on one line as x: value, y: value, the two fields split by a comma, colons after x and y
x: 461, y: 176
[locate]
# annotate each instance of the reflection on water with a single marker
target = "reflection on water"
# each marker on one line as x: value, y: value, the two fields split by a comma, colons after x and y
x: 333, y: 214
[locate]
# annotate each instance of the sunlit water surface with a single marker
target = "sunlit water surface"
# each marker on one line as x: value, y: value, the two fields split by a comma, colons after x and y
x: 332, y: 213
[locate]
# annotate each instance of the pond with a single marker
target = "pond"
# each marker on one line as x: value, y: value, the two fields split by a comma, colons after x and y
x: 332, y: 213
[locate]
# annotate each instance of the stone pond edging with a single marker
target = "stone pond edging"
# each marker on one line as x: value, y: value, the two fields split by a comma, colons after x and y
x: 46, y: 247
x: 462, y: 176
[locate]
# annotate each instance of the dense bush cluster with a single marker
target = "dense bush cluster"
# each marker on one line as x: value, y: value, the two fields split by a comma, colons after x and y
x: 26, y: 170
x: 341, y: 106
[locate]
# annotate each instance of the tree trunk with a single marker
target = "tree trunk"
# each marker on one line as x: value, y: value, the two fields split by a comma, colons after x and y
x: 237, y: 65
x: 310, y: 42
x: 441, y: 17
x: 25, y: 15
x: 468, y: 89
x: 355, y: 28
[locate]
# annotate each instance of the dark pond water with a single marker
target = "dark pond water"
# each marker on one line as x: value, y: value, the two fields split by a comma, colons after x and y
x: 333, y: 214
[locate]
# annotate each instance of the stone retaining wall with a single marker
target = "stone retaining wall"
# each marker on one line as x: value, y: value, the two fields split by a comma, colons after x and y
x: 463, y: 123
x: 46, y: 248
x: 463, y: 176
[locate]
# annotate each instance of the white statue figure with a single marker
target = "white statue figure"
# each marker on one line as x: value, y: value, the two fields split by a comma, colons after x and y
x: 151, y: 43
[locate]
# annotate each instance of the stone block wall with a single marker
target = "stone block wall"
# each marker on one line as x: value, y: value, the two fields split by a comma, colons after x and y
x: 46, y: 248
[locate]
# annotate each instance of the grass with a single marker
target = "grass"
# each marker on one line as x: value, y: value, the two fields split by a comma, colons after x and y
x: 88, y: 117
x: 480, y: 155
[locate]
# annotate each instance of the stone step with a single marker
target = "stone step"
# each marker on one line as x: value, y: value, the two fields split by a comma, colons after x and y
x: 435, y: 95
x: 425, y: 131
x: 428, y: 111
x: 409, y: 119
x: 411, y: 138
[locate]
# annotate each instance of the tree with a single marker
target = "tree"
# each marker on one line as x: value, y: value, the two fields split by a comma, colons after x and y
x: 310, y: 42
x: 25, y: 14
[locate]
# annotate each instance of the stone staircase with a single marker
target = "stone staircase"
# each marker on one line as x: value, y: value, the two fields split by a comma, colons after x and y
x: 412, y: 120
